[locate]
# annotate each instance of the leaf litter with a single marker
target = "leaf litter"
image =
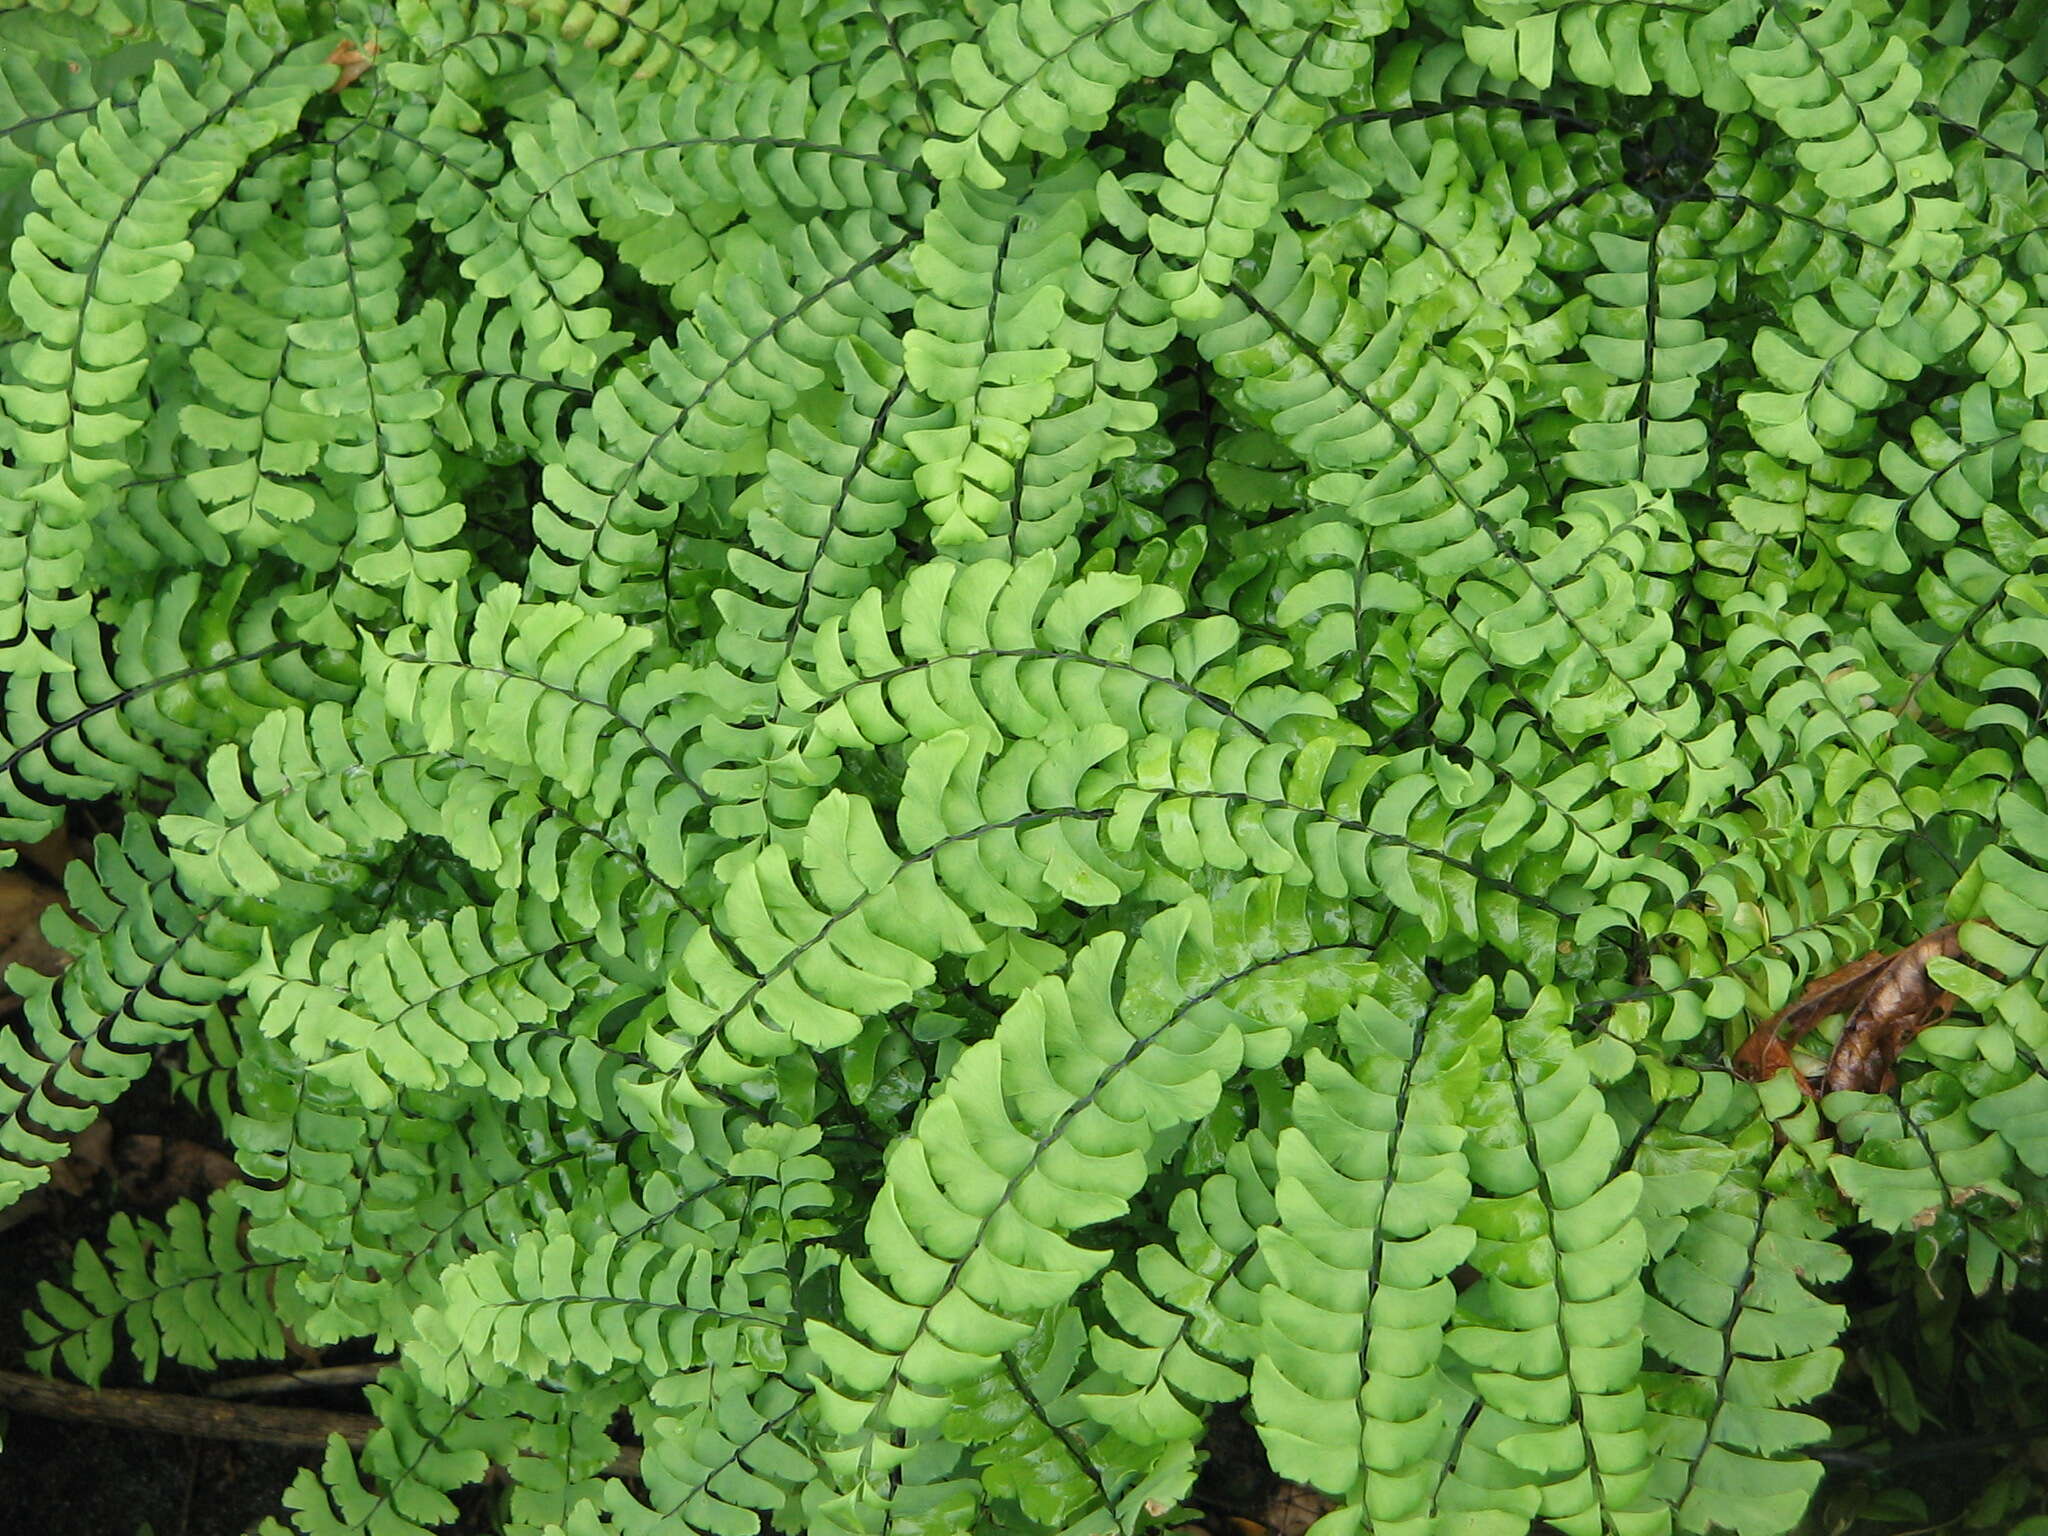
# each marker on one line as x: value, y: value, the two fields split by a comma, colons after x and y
x: 1889, y: 998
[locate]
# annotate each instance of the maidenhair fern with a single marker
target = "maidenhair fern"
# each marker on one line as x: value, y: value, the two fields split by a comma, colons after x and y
x: 914, y: 742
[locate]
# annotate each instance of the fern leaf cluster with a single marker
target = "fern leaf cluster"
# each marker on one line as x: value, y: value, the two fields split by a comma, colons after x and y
x: 914, y: 743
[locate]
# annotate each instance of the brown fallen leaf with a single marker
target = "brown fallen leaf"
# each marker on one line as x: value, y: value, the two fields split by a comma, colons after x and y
x: 23, y: 901
x: 1295, y: 1507
x: 353, y: 62
x: 90, y: 1157
x: 156, y: 1172
x: 72, y: 1175
x: 1902, y: 1001
x: 1768, y: 1050
x: 1889, y: 999
x: 1763, y: 1056
x: 48, y: 858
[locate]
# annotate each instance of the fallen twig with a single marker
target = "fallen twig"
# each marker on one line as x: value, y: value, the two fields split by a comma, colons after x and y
x: 207, y: 1418
x: 299, y: 1381
x: 169, y: 1413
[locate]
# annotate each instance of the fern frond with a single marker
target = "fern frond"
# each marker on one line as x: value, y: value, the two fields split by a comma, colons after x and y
x: 1347, y: 402
x: 186, y: 1290
x: 1651, y: 349
x: 558, y: 1297
x: 897, y: 50
x: 1004, y: 327
x: 149, y: 964
x: 920, y: 743
x: 1732, y: 1310
x: 1453, y: 249
x: 822, y: 520
x: 1834, y: 371
x: 310, y: 786
x: 1552, y: 1332
x: 1420, y: 93
x: 354, y: 359
x: 108, y: 240
x: 754, y: 346
x: 184, y: 674
x: 1906, y: 1163
x: 1189, y: 1321
x: 986, y: 648
x: 1818, y: 72
x: 1347, y: 1387
x: 1043, y: 70
x: 177, y: 27
x: 971, y: 1234
x: 1036, y: 1451
x: 723, y: 1447
x: 427, y: 1446
x: 399, y: 1008
x: 45, y: 105
x: 459, y: 181
x: 374, y: 1210
x: 1266, y: 96
x: 261, y: 434
x: 651, y: 34
x: 548, y: 691
x: 1615, y: 45
x: 1807, y: 698
x: 499, y: 403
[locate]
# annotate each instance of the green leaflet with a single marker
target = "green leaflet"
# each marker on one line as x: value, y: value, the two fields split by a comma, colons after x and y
x: 361, y: 375
x: 1748, y: 1340
x: 428, y: 1446
x: 560, y: 707
x: 1617, y: 45
x: 1817, y: 71
x: 556, y: 1300
x: 822, y: 520
x: 1039, y: 345
x: 184, y: 673
x: 1190, y: 1316
x: 48, y: 103
x: 1551, y: 1333
x: 261, y: 433
x: 398, y: 1007
x: 1034, y: 1445
x: 724, y: 1445
x: 1347, y: 1385
x: 756, y: 342
x: 890, y: 751
x: 1639, y: 427
x: 149, y: 966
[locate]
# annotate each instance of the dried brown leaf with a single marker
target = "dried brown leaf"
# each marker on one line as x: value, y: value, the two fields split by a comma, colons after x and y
x: 1763, y: 1056
x: 154, y: 1171
x: 22, y: 904
x: 1889, y: 999
x: 91, y: 1155
x: 353, y: 62
x: 1902, y: 1001
x: 1295, y: 1507
x: 1768, y: 1050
